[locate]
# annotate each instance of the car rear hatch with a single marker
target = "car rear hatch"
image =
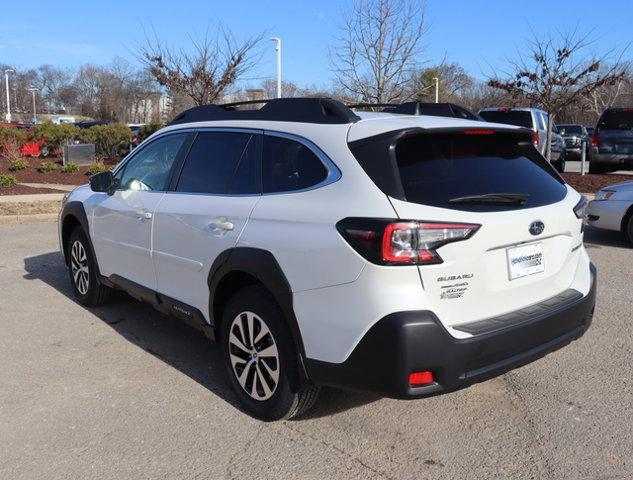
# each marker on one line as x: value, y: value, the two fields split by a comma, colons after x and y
x: 615, y: 132
x: 525, y: 238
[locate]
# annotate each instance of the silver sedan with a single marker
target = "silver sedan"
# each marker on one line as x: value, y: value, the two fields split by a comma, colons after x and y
x: 613, y: 209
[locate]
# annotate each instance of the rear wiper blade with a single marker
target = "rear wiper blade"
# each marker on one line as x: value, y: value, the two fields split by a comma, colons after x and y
x: 494, y: 198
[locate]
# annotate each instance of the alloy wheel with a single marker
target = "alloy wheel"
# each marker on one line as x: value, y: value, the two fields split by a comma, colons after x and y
x: 254, y: 356
x: 79, y: 267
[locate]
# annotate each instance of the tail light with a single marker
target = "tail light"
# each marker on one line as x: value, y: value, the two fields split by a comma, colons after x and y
x: 595, y: 140
x: 537, y: 139
x: 581, y: 207
x: 387, y: 242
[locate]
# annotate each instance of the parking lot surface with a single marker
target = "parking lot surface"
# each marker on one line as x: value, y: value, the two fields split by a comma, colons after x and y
x: 123, y: 392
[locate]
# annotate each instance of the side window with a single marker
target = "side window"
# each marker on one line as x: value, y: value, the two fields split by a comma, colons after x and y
x: 288, y: 165
x: 151, y: 167
x: 220, y: 163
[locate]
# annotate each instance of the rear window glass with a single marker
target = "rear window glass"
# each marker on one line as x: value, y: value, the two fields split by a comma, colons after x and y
x: 570, y: 129
x: 508, y: 117
x: 616, y: 120
x: 437, y: 168
x: 289, y: 166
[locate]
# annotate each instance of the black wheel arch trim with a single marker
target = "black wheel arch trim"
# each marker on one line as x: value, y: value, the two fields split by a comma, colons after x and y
x: 76, y: 210
x: 263, y: 266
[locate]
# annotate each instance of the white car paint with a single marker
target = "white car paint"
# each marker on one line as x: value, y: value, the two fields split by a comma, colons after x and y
x: 611, y: 211
x: 338, y: 295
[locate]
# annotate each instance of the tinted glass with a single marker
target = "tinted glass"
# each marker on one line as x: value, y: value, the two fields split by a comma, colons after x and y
x: 616, y: 120
x: 570, y: 129
x: 212, y: 162
x: 288, y: 165
x: 508, y: 117
x: 246, y: 179
x: 150, y: 168
x: 435, y: 169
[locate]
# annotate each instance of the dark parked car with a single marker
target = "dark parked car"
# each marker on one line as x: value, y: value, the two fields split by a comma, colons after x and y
x: 612, y: 141
x: 574, y: 135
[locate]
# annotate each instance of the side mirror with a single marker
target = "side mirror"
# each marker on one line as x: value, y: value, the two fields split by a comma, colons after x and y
x: 102, y: 182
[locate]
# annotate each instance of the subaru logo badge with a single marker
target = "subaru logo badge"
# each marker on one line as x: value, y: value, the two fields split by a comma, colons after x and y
x: 537, y: 227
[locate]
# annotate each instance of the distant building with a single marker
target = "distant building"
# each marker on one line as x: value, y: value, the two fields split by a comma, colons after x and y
x: 156, y: 107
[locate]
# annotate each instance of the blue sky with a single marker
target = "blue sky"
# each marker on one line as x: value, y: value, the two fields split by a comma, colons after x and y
x: 477, y: 34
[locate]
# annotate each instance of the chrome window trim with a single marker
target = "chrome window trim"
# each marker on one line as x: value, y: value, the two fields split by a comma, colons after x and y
x: 333, y: 173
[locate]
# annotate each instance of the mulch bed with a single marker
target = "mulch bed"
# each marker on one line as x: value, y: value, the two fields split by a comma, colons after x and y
x: 31, y: 175
x: 24, y: 190
x: 591, y: 183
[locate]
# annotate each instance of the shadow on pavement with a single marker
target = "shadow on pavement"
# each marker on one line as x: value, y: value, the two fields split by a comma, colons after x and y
x: 173, y: 342
x: 596, y: 238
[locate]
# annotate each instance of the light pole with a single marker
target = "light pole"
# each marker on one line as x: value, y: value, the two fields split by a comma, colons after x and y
x: 277, y: 40
x: 6, y: 85
x: 437, y: 89
x: 33, y: 90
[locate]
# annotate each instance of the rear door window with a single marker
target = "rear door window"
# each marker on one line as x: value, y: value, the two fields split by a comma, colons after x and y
x: 616, y: 120
x: 435, y: 169
x: 221, y: 163
x: 288, y: 165
x: 508, y: 117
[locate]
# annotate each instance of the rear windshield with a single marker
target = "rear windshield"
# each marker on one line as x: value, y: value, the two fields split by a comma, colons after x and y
x: 508, y: 117
x: 570, y: 129
x: 616, y: 120
x: 435, y: 169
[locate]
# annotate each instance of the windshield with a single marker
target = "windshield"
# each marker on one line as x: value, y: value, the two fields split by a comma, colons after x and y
x: 570, y: 129
x: 616, y: 120
x: 437, y: 169
x: 508, y: 117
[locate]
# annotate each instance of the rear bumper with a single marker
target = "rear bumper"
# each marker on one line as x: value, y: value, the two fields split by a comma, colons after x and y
x: 614, y: 159
x: 406, y: 342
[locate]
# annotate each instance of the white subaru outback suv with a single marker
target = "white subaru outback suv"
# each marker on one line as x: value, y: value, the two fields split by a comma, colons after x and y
x: 406, y: 255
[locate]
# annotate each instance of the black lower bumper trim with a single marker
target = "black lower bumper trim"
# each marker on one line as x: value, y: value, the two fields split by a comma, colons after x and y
x: 405, y: 342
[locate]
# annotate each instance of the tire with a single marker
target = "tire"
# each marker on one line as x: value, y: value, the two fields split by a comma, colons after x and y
x: 628, y: 230
x: 596, y: 168
x: 268, y: 386
x: 82, y: 270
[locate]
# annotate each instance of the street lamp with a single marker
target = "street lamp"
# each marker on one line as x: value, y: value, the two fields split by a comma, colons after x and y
x: 6, y: 84
x: 33, y: 90
x: 437, y: 89
x: 277, y: 40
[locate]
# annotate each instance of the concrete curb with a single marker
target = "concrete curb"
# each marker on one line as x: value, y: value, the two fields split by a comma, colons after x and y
x: 23, y: 205
x: 32, y: 218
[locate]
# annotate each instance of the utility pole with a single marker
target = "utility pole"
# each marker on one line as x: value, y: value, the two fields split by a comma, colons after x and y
x: 33, y: 90
x: 437, y: 89
x: 6, y: 84
x: 277, y: 41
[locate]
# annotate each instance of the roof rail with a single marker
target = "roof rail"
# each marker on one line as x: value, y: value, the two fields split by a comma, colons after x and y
x: 300, y: 109
x: 422, y: 108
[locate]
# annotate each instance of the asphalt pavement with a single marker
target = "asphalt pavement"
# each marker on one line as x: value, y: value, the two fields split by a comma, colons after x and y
x: 123, y: 392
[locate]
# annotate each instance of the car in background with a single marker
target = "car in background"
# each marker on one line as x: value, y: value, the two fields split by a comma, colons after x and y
x: 574, y: 135
x: 135, y: 128
x: 559, y: 151
x: 612, y: 141
x: 91, y: 123
x: 612, y: 209
x: 533, y: 119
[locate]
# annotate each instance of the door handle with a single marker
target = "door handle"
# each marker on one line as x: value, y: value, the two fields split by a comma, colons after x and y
x: 144, y: 215
x: 221, y: 224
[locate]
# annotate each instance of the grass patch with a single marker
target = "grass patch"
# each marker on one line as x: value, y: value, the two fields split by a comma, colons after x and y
x: 7, y: 180
x: 70, y: 167
x: 16, y: 165
x: 46, y: 167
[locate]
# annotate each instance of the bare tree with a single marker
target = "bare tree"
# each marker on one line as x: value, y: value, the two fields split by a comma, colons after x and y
x: 379, y: 49
x: 202, y: 72
x: 557, y: 71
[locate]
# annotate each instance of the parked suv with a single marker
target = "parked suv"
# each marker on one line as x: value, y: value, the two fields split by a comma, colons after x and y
x: 612, y: 141
x: 406, y: 255
x: 575, y: 135
x: 534, y: 119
